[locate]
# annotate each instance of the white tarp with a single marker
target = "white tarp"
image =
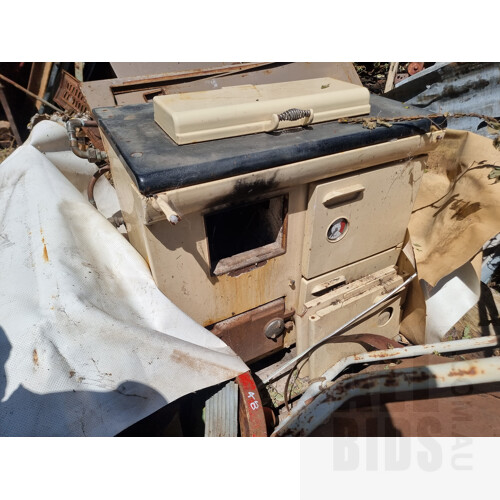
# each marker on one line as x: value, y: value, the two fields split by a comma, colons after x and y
x: 88, y: 344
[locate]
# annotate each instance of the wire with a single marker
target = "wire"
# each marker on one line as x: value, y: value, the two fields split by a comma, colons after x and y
x: 375, y: 341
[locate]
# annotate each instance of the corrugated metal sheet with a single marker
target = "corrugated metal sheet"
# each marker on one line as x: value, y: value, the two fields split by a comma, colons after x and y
x: 454, y: 88
x: 221, y: 412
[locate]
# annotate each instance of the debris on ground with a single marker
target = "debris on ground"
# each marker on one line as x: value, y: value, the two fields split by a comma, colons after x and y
x: 7, y: 141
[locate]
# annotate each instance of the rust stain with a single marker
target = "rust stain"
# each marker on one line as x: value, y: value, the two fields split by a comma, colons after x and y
x: 460, y: 373
x: 391, y: 380
x: 35, y: 357
x: 45, y: 255
x: 381, y: 354
x: 197, y: 364
x: 421, y: 376
x: 369, y: 384
x: 252, y: 267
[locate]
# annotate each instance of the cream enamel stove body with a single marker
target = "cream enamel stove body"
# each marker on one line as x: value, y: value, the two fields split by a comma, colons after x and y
x: 272, y: 239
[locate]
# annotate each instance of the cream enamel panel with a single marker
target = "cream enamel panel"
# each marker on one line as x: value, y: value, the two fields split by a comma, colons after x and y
x: 384, y: 320
x: 309, y: 289
x: 179, y: 261
x: 376, y: 204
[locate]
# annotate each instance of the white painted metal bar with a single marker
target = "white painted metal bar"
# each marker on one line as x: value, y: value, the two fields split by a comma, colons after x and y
x: 375, y: 356
x: 471, y: 372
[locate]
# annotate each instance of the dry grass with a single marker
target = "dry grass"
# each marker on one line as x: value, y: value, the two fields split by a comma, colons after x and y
x: 7, y: 143
x: 5, y: 152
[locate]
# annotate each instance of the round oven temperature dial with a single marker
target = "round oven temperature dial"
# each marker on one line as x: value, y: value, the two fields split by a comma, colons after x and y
x: 337, y: 229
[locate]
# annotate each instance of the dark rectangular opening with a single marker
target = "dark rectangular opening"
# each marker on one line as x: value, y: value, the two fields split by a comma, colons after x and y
x: 245, y: 235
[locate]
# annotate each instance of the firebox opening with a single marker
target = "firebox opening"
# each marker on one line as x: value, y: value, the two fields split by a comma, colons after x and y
x: 245, y: 235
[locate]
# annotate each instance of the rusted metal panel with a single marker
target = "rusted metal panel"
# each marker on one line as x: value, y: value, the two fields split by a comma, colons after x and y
x: 102, y: 92
x: 245, y: 333
x: 70, y: 98
x: 134, y: 90
x: 132, y: 69
x: 251, y: 412
x: 221, y: 412
x: 69, y: 95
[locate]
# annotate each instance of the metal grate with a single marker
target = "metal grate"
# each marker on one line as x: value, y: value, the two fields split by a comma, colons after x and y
x: 69, y: 95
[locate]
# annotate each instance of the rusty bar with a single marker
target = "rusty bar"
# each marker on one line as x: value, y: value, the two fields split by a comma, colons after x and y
x: 127, y: 84
x: 461, y: 373
x: 47, y: 103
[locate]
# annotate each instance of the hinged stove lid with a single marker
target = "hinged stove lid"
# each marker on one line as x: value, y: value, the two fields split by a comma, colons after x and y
x: 247, y: 109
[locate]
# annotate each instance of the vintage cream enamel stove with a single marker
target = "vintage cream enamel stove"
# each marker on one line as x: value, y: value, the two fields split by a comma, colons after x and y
x: 265, y: 219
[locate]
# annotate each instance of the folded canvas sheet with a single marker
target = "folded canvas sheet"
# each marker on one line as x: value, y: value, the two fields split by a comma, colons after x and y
x: 88, y: 344
x: 456, y: 211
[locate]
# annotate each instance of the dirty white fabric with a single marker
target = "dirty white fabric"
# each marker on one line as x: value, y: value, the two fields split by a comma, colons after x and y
x: 88, y: 344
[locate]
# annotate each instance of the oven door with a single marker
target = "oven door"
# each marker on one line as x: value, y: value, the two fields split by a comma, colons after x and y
x: 359, y: 215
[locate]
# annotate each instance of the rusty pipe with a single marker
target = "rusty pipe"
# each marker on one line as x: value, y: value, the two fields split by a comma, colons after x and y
x: 90, y: 188
x: 31, y: 94
x: 92, y: 155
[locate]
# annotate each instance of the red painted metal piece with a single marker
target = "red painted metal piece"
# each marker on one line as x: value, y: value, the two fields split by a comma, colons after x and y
x: 415, y: 67
x: 251, y: 411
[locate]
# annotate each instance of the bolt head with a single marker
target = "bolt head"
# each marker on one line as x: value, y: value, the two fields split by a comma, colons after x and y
x: 274, y: 328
